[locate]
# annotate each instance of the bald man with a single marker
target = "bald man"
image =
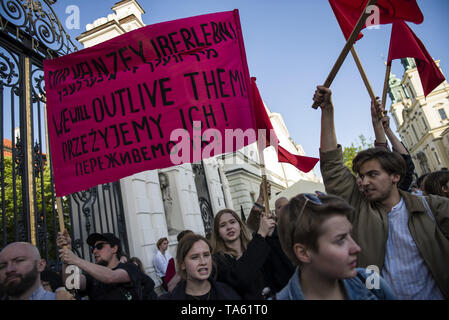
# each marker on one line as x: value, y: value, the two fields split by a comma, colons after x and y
x: 278, y: 205
x: 20, y: 268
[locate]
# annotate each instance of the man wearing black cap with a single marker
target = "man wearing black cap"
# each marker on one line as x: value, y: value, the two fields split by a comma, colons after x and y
x: 107, y: 278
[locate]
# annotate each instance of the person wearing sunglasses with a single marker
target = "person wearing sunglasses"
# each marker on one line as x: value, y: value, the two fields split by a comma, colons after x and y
x: 107, y: 278
x: 404, y: 235
x: 315, y: 234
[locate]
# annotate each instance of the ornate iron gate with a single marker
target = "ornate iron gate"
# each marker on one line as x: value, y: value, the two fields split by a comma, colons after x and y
x: 203, y: 196
x: 29, y: 33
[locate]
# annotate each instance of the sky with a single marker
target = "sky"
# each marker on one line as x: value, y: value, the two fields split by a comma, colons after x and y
x: 291, y: 46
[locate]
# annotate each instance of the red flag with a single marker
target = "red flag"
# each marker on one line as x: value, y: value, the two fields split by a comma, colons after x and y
x: 170, y: 271
x: 405, y: 44
x: 303, y: 163
x: 348, y: 12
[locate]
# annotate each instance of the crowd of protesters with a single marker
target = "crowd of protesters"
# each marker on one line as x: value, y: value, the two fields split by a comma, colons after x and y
x: 376, y: 234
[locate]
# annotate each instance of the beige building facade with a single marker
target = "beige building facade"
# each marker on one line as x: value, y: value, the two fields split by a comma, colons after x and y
x: 422, y: 122
x: 161, y: 203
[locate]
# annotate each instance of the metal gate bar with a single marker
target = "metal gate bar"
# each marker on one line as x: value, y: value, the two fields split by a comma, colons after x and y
x: 31, y: 32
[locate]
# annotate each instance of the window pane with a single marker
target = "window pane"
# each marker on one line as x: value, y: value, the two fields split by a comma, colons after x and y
x: 425, y: 125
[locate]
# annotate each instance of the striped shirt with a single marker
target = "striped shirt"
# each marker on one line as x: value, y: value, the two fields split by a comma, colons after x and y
x: 404, y: 268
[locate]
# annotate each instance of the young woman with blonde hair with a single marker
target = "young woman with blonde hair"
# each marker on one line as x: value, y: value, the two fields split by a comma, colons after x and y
x: 238, y: 255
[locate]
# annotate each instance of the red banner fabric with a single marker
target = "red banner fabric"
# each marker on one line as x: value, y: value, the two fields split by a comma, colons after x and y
x: 127, y: 104
x: 263, y: 123
x: 348, y: 13
x: 170, y: 271
x: 405, y: 44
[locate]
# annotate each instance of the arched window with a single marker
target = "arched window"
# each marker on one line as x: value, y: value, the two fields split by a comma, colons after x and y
x: 442, y: 113
x: 437, y: 157
x: 424, y: 123
x: 416, y: 134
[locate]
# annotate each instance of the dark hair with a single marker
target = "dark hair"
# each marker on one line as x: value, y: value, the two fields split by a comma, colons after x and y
x: 53, y: 278
x: 109, y: 238
x: 119, y: 252
x: 182, y: 234
x: 391, y: 162
x: 159, y: 242
x: 434, y: 182
x: 184, y: 246
x: 138, y: 262
x: 307, y: 229
x: 421, y: 179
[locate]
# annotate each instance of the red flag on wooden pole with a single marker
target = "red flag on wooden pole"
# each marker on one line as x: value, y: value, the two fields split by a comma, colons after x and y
x: 303, y: 163
x: 405, y: 44
x: 348, y: 12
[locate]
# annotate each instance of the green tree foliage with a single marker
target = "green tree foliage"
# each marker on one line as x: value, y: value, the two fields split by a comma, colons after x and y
x: 349, y: 153
x: 13, y: 199
x: 44, y: 204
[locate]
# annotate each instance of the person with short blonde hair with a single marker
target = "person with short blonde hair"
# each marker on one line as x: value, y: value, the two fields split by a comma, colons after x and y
x: 315, y: 233
x: 161, y: 260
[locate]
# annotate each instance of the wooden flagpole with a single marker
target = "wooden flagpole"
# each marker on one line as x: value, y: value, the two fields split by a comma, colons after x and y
x: 61, y: 228
x: 60, y: 213
x: 363, y: 74
x: 368, y: 84
x: 264, y: 181
x: 347, y: 48
x: 384, y: 92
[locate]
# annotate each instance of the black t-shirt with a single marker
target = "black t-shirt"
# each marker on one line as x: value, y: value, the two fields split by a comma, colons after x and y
x: 147, y: 287
x: 211, y: 295
x: 97, y: 290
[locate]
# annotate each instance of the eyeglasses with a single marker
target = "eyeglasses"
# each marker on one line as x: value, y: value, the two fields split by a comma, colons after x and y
x: 99, y: 246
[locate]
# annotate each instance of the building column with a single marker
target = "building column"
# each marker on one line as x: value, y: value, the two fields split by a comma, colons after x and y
x: 144, y: 215
x: 185, y: 211
x: 225, y: 183
x: 215, y: 185
x: 442, y: 153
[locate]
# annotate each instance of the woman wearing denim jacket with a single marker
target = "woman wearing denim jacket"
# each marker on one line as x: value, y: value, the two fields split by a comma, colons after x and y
x: 315, y: 234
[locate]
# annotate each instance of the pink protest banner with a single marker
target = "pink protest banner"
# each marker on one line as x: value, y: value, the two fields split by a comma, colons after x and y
x: 112, y: 109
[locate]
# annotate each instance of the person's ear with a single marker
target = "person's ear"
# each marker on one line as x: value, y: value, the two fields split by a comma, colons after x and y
x: 301, y: 253
x: 41, y: 264
x: 445, y: 188
x: 396, y: 178
x: 183, y: 266
x: 114, y: 249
